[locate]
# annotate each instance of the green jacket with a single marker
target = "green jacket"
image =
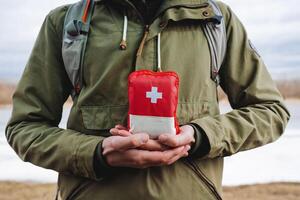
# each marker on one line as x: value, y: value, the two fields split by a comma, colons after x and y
x: 258, y: 117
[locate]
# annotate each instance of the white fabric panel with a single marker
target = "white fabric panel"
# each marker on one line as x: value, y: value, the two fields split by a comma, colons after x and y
x: 154, y: 126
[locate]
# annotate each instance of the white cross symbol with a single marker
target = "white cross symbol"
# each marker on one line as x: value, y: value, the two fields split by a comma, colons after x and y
x: 154, y: 95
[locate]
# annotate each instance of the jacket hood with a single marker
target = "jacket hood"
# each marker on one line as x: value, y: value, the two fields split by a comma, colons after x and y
x: 169, y: 10
x: 165, y: 4
x: 178, y: 4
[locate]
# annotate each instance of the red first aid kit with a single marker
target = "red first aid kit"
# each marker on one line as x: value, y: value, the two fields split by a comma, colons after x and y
x: 153, y: 98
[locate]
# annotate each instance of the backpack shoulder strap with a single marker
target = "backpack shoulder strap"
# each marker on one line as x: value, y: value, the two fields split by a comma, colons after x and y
x: 215, y: 33
x: 75, y: 35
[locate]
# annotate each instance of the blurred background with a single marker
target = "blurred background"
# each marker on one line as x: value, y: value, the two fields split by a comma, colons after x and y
x: 272, y: 25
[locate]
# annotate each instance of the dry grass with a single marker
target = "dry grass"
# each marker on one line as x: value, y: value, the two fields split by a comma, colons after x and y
x: 273, y: 191
x: 289, y: 89
x: 26, y: 191
x: 6, y: 92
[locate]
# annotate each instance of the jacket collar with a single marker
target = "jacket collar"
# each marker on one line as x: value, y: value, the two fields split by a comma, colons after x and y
x: 169, y: 4
x: 174, y: 10
x: 166, y: 4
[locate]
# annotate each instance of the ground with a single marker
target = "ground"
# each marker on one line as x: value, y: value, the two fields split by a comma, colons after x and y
x: 273, y: 191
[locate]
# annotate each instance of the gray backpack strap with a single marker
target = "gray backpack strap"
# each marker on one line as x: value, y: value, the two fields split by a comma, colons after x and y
x: 215, y: 33
x: 75, y: 35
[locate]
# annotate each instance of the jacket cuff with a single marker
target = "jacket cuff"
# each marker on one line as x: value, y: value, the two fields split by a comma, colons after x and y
x: 101, y: 167
x: 84, y: 156
x: 201, y: 147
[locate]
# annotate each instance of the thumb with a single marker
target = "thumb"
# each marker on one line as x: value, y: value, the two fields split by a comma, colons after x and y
x: 130, y: 142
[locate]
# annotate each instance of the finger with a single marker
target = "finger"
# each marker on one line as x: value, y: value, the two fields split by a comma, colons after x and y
x: 114, y: 131
x: 156, y: 158
x: 132, y: 141
x: 176, y: 140
x: 170, y: 154
x: 184, y: 153
x: 120, y: 127
x: 126, y: 158
x: 117, y: 132
x: 154, y: 145
x: 117, y: 159
x: 142, y: 159
x: 124, y: 133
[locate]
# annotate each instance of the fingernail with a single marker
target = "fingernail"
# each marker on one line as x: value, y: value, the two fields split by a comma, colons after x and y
x: 131, y: 129
x: 144, y: 139
x: 188, y: 148
x: 163, y: 138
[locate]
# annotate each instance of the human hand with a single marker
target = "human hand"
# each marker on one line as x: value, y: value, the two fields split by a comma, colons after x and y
x: 185, y: 137
x: 123, y: 151
x: 151, y: 145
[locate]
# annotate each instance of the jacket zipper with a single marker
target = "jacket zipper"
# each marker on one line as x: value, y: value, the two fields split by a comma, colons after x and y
x: 142, y: 44
x: 146, y: 32
x: 204, y: 179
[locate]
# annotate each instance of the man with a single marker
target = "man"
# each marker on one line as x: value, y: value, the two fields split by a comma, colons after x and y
x: 97, y: 157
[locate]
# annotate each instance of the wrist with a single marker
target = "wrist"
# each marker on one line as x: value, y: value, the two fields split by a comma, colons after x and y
x: 201, y: 147
x: 101, y: 166
x: 191, y: 131
x: 197, y: 139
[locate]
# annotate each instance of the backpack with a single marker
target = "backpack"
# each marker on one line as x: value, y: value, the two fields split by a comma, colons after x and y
x: 76, y: 30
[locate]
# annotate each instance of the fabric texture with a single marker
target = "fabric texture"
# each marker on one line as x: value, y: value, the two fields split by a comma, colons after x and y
x: 259, y: 115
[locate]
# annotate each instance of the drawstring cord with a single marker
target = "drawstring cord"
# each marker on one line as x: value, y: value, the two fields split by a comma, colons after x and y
x: 140, y: 50
x: 123, y: 44
x: 158, y: 53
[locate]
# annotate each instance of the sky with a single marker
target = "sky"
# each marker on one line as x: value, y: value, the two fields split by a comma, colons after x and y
x: 272, y: 25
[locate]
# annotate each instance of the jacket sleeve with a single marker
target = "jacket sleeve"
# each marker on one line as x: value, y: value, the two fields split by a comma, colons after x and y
x: 259, y: 115
x: 37, y: 108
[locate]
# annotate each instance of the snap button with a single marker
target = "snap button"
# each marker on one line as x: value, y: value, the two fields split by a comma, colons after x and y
x: 205, y: 14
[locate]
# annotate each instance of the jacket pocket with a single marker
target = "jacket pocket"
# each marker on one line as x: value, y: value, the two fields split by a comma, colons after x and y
x: 195, y: 168
x: 103, y: 117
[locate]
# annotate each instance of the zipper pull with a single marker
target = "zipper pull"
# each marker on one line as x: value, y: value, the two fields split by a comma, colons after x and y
x: 142, y: 44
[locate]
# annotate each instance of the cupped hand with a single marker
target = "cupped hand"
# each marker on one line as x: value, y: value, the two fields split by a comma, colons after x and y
x: 185, y: 137
x: 150, y: 145
x: 121, y: 151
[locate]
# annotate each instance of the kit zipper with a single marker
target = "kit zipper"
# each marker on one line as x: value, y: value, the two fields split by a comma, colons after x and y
x: 204, y: 179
